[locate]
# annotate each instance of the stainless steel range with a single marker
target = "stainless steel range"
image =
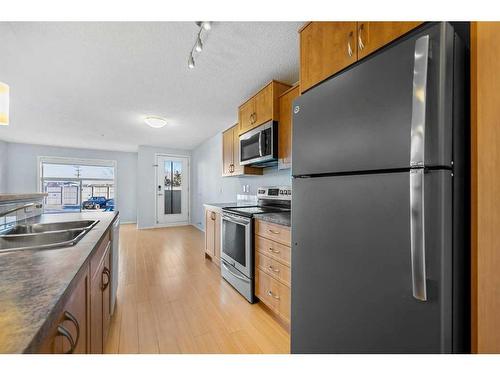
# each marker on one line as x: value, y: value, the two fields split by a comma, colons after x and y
x: 237, y: 253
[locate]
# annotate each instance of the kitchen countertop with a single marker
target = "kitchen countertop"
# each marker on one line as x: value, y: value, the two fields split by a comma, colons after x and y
x: 219, y: 206
x: 4, y: 198
x: 33, y: 282
x: 281, y: 218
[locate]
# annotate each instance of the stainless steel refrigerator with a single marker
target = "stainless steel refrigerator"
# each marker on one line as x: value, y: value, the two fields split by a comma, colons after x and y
x: 379, y: 211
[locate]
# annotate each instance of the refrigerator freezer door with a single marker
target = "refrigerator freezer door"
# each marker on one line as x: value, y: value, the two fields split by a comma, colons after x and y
x: 352, y: 265
x: 361, y: 119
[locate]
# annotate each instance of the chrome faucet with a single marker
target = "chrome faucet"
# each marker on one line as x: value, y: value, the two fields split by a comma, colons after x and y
x: 28, y: 205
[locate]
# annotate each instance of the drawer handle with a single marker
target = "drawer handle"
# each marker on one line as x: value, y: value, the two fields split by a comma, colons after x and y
x: 273, y: 231
x: 61, y: 331
x: 274, y: 251
x: 274, y: 269
x: 106, y: 272
x: 273, y: 295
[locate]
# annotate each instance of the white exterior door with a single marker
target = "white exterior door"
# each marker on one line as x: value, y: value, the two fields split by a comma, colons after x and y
x: 172, y: 190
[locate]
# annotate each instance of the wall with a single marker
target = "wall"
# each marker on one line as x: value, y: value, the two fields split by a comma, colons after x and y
x: 23, y: 166
x: 208, y: 185
x: 146, y: 183
x: 3, y: 166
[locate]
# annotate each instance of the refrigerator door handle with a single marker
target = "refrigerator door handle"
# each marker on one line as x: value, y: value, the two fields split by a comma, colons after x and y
x: 417, y: 135
x: 417, y: 234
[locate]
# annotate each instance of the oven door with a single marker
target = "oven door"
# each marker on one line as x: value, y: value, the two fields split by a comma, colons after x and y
x: 258, y: 145
x: 237, y: 242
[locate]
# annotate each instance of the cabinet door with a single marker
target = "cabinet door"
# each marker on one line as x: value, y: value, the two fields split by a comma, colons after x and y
x: 227, y: 152
x: 106, y: 297
x: 285, y: 127
x: 266, y: 289
x: 246, y: 116
x: 325, y: 48
x: 70, y: 335
x: 374, y: 35
x: 264, y: 105
x: 209, y: 233
x: 96, y: 309
x: 75, y: 318
x: 217, y: 226
x: 237, y: 168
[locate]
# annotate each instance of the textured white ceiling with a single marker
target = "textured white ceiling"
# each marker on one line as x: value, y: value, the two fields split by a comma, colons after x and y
x: 90, y: 84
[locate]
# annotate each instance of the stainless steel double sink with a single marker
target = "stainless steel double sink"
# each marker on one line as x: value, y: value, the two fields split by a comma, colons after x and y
x: 44, y: 235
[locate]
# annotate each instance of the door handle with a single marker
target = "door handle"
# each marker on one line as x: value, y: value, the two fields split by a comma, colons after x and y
x: 349, y: 48
x: 361, y: 45
x: 417, y: 234
x: 232, y: 273
x: 417, y: 133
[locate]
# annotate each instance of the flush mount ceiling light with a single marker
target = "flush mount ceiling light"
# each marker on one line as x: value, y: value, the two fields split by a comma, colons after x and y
x: 4, y: 104
x: 198, y: 45
x: 155, y: 121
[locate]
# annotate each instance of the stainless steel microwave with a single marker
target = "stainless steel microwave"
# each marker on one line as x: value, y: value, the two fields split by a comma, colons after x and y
x: 259, y: 146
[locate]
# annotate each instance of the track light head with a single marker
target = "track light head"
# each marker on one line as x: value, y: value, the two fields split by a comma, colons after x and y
x: 191, y: 62
x: 199, y: 45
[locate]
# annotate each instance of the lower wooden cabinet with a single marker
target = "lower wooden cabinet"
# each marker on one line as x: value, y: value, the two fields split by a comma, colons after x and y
x: 83, y: 324
x: 70, y: 335
x: 272, y: 267
x: 212, y: 234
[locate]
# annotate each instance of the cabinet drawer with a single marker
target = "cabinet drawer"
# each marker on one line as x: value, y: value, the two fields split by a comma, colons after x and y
x: 267, y: 289
x: 273, y: 232
x: 273, y: 249
x: 272, y: 267
x: 97, y: 257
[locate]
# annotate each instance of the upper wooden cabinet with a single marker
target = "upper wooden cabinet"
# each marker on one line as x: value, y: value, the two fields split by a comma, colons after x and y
x: 325, y: 48
x: 374, y: 35
x: 231, y: 155
x: 285, y: 127
x: 328, y: 47
x: 261, y: 107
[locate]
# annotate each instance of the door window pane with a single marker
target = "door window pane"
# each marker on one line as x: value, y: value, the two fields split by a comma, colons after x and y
x: 173, y: 187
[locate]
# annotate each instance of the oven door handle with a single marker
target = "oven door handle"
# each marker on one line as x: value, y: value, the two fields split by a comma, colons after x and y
x: 234, y: 220
x: 232, y: 273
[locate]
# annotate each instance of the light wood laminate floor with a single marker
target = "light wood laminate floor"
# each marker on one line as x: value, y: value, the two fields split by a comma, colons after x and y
x: 173, y: 300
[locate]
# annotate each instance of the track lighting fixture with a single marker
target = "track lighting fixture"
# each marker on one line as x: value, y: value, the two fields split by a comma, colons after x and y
x: 191, y: 61
x: 198, y: 45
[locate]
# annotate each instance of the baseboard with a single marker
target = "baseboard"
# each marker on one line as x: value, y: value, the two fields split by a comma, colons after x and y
x: 166, y: 225
x: 128, y: 222
x: 198, y: 227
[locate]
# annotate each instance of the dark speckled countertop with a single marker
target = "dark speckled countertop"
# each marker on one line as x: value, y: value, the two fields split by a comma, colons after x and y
x: 33, y: 282
x: 281, y: 218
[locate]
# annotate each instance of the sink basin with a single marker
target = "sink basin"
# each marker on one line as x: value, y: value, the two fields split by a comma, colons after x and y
x: 40, y: 241
x: 50, y: 227
x: 44, y: 236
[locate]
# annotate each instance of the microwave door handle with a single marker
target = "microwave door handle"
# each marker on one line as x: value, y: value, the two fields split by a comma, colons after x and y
x: 260, y: 143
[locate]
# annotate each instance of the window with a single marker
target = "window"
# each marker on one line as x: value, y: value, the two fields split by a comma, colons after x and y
x: 75, y: 185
